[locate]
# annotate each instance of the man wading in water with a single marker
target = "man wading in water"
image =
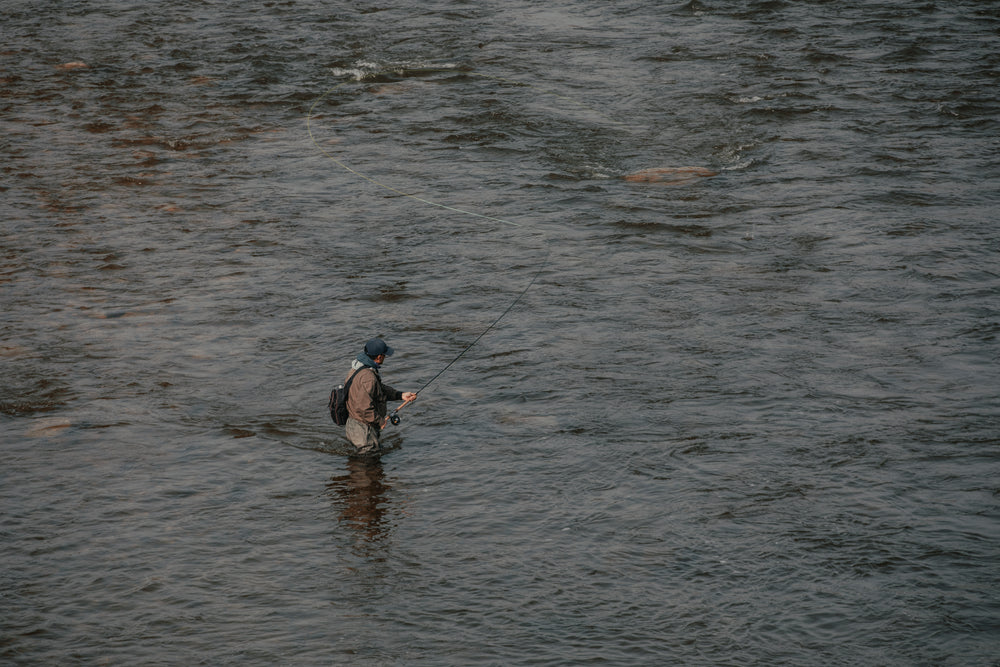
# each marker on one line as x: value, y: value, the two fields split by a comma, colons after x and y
x: 367, y: 397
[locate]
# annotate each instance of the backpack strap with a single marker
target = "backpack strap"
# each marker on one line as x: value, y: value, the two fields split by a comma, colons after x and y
x: 347, y: 385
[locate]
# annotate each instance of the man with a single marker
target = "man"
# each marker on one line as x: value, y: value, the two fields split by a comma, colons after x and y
x: 367, y: 397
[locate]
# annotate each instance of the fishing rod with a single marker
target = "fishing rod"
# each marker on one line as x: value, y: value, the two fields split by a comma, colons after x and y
x: 393, y: 417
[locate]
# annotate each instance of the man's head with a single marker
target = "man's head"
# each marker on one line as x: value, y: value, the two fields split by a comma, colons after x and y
x: 377, y: 350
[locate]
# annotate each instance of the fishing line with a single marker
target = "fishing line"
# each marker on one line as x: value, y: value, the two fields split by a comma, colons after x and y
x: 381, y: 184
x: 393, y: 417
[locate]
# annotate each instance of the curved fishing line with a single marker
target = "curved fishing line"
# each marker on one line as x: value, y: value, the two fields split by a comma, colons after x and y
x: 380, y: 184
x: 401, y: 72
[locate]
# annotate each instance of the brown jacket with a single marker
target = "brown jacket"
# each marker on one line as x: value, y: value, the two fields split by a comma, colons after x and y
x: 367, y: 397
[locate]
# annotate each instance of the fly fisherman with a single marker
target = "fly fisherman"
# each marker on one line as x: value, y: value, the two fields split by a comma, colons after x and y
x: 367, y: 397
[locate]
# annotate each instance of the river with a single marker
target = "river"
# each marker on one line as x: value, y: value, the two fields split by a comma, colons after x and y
x: 745, y: 416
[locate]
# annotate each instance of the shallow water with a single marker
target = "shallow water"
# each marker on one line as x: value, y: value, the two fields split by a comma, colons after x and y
x: 744, y: 419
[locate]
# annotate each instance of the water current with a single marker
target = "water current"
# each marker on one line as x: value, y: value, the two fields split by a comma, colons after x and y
x: 748, y: 418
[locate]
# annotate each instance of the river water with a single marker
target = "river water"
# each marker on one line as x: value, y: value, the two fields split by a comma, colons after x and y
x: 748, y: 418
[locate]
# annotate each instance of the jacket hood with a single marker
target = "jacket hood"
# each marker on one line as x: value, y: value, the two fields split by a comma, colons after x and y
x: 362, y: 361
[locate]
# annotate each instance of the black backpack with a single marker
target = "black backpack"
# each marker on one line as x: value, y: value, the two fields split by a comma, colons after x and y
x: 338, y: 400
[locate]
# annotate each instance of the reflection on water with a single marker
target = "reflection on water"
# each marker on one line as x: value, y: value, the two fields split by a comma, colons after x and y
x: 362, y: 498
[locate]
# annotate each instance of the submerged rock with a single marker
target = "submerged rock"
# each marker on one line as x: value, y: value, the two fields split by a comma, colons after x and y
x: 669, y: 175
x: 46, y: 428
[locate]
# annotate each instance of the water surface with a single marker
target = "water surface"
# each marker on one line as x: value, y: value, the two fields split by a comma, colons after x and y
x: 747, y: 419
